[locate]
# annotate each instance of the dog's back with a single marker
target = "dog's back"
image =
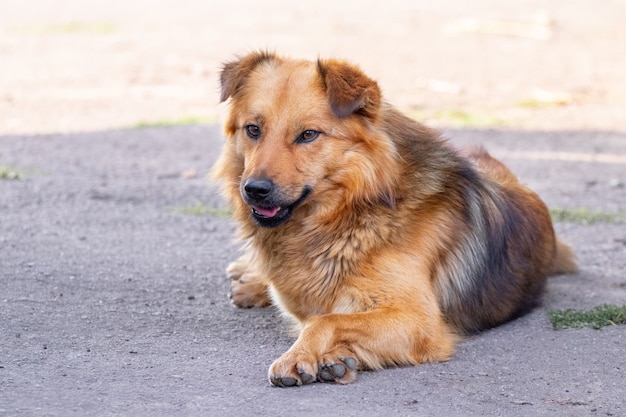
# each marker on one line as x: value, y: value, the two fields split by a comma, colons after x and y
x: 505, y: 247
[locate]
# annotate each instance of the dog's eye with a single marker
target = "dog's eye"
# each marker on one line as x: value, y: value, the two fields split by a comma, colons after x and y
x: 307, y: 136
x: 253, y: 131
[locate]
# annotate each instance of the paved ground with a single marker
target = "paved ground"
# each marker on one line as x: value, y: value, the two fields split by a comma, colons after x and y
x: 113, y: 301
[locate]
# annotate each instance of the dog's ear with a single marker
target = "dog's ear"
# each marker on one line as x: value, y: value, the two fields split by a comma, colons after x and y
x: 234, y: 73
x: 349, y: 90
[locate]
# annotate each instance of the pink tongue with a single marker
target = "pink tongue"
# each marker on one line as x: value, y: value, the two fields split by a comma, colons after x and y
x: 267, y: 212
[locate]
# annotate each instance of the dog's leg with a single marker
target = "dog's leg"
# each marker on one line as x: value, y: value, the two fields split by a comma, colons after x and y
x: 247, y: 288
x: 332, y: 347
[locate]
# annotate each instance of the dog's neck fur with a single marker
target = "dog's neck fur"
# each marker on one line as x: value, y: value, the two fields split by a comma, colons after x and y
x: 332, y: 254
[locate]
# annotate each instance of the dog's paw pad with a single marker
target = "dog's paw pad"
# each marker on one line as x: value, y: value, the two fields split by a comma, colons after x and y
x: 284, y: 381
x: 305, y: 378
x: 338, y: 370
x: 325, y: 374
x: 342, y: 372
x: 350, y: 363
x: 331, y: 372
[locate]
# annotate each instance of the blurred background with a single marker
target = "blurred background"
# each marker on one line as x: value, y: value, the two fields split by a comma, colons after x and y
x: 68, y: 66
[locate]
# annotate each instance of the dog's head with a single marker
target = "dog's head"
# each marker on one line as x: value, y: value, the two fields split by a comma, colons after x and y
x: 302, y: 134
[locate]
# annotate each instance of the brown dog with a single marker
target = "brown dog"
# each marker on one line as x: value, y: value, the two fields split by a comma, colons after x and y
x: 375, y: 236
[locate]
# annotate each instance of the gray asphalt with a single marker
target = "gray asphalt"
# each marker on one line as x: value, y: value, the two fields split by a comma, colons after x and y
x: 113, y: 301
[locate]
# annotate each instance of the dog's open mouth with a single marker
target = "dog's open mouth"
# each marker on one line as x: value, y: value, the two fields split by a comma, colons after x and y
x: 271, y: 216
x: 266, y: 212
x: 274, y: 216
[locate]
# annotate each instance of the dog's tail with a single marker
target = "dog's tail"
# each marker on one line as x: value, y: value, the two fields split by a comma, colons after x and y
x: 564, y: 260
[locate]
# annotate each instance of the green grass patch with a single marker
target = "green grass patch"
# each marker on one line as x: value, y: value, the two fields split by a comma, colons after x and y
x: 601, y: 316
x: 200, y: 209
x: 8, y: 173
x: 541, y: 99
x: 586, y: 217
x: 536, y: 104
x: 183, y: 121
x: 460, y: 118
x: 92, y: 28
x: 456, y: 118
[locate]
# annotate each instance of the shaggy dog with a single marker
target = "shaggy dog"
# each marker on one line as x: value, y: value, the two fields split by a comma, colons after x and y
x: 377, y: 238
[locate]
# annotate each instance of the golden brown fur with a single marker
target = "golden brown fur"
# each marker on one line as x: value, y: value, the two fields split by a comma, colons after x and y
x: 376, y: 237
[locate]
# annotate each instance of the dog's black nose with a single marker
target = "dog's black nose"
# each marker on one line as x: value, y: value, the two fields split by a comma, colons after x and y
x: 258, y: 189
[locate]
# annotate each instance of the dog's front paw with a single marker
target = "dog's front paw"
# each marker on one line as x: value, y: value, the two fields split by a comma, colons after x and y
x: 248, y: 294
x: 293, y: 369
x: 246, y: 289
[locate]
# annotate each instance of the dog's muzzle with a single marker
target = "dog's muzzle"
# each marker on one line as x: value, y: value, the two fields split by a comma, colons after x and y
x: 269, y: 208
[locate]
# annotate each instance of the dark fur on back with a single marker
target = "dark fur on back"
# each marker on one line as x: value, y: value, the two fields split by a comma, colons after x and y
x: 479, y: 279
